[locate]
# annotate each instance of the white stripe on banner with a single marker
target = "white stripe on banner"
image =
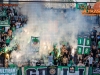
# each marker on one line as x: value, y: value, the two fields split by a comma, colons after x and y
x: 87, y: 68
x: 43, y: 72
x: 61, y: 72
x: 37, y: 72
x: 22, y: 70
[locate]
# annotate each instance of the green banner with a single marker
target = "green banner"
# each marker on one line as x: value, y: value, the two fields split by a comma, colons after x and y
x: 61, y: 70
x: 83, y: 45
x: 3, y: 13
x: 5, y: 23
x: 8, y: 71
x: 81, y: 6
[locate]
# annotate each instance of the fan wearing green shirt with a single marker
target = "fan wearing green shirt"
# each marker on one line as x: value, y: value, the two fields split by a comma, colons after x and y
x: 55, y: 55
x: 7, y: 40
x: 2, y: 30
x: 13, y: 28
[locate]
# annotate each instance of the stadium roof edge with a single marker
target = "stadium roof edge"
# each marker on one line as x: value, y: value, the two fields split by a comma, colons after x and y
x: 49, y: 1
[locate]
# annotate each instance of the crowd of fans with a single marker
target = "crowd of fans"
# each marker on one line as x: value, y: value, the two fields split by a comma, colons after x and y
x: 16, y: 21
x: 65, y: 58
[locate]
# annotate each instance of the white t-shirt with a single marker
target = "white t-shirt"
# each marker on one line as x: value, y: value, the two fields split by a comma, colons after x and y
x: 6, y: 29
x: 50, y: 58
x: 90, y: 60
x: 18, y: 24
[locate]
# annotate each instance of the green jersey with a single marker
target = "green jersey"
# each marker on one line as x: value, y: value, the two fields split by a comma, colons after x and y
x: 8, y: 39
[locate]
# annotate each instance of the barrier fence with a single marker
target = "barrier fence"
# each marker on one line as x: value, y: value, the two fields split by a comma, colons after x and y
x: 50, y: 70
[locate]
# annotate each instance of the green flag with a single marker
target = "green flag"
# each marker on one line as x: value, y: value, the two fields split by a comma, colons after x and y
x: 35, y: 40
x: 83, y: 45
x: 35, y: 43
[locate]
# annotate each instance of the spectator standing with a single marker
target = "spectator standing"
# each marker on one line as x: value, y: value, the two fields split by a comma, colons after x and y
x: 98, y: 38
x: 98, y: 64
x: 6, y: 28
x: 13, y: 21
x: 2, y: 37
x: 2, y: 30
x: 63, y: 48
x: 80, y: 63
x: 92, y: 37
x: 94, y: 32
x: 18, y: 23
x: 66, y: 53
x: 50, y: 60
x: 62, y: 51
x: 55, y: 57
x: 13, y: 28
x: 6, y: 63
x: 38, y: 63
x: 90, y: 59
x: 70, y: 59
x: 11, y: 14
x: 7, y: 40
x: 60, y: 60
x: 10, y: 32
x: 75, y: 58
x: 64, y: 61
x: 86, y: 61
x: 96, y: 61
x: 94, y: 51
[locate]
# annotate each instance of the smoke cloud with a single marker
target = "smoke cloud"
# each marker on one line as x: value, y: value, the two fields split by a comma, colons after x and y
x: 51, y: 26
